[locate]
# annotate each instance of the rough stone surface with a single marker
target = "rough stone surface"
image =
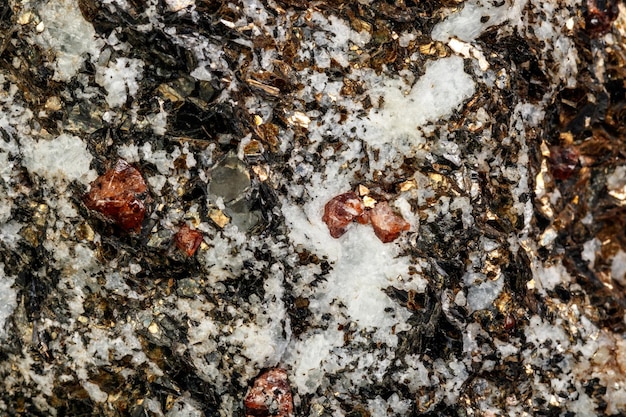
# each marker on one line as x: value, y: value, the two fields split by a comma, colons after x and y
x: 494, y: 129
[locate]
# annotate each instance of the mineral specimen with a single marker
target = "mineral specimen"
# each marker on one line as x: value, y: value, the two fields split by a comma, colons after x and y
x: 188, y: 240
x: 118, y: 194
x: 387, y: 224
x: 246, y: 117
x: 340, y: 211
x: 270, y: 395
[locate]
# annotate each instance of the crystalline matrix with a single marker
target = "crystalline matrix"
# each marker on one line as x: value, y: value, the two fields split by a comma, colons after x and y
x: 491, y: 132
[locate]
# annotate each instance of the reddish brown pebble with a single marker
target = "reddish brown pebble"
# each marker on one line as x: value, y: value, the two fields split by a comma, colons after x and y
x: 270, y: 395
x: 563, y: 161
x: 117, y: 195
x: 188, y: 240
x: 340, y: 211
x: 387, y: 224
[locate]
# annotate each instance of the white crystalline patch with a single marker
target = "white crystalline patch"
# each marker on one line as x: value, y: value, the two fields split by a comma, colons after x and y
x: 219, y: 261
x: 6, y: 166
x: 590, y: 248
x: 480, y: 296
x: 392, y: 407
x: 176, y: 5
x: 6, y: 205
x: 618, y: 267
x: 442, y: 89
x: 65, y: 157
x: 266, y: 340
x: 364, y: 268
x: 130, y: 153
x: 259, y: 343
x: 9, y: 233
x: 475, y: 17
x: 94, y: 391
x: 163, y: 161
x: 415, y: 376
x: 549, y: 277
x: 334, y: 40
x: 617, y: 180
x: 539, y: 331
x: 616, y: 183
x: 8, y: 300
x: 306, y: 227
x: 308, y: 356
x: 185, y: 407
x: 69, y: 35
x: 120, y: 79
x: 158, y: 121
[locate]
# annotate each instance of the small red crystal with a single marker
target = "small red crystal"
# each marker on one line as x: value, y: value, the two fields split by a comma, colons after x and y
x: 387, y: 224
x: 188, y: 240
x: 270, y: 395
x: 117, y: 194
x: 509, y: 322
x: 340, y: 211
x: 563, y: 161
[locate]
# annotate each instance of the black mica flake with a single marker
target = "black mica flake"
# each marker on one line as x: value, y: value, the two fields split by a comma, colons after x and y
x: 205, y: 122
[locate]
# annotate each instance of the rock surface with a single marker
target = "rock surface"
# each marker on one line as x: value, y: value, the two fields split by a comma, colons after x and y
x: 494, y: 129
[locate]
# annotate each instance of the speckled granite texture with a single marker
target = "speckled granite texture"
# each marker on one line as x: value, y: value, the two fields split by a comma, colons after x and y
x: 164, y: 168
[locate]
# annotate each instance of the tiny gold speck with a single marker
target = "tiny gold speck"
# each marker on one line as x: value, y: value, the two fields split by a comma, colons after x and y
x: 408, y: 185
x: 219, y: 218
x: 369, y: 202
x: 153, y: 328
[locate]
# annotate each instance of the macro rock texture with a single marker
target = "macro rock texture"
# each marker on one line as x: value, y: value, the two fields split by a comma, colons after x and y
x: 495, y: 130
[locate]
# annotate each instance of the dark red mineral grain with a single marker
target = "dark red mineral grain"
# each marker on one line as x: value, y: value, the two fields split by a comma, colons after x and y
x: 119, y: 194
x: 342, y: 210
x: 188, y: 240
x: 563, y: 161
x: 270, y: 395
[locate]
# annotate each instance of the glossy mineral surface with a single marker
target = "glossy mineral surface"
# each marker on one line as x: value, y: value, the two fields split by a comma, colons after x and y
x: 502, y: 295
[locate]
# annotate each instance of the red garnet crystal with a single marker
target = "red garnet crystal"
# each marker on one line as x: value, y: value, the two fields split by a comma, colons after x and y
x: 117, y: 195
x: 387, y: 224
x: 563, y: 161
x: 340, y: 211
x: 270, y: 395
x: 188, y: 240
